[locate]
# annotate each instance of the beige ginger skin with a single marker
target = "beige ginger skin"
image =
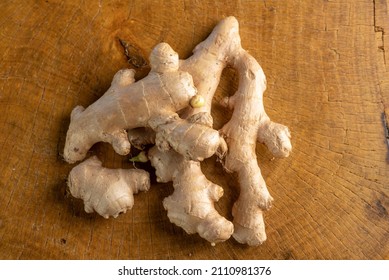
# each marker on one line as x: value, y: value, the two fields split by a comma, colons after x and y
x: 183, y: 135
x: 249, y: 124
x: 151, y: 102
x: 109, y: 192
x: 191, y: 206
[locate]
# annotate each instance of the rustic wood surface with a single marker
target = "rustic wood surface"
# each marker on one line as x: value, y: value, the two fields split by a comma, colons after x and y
x: 327, y: 68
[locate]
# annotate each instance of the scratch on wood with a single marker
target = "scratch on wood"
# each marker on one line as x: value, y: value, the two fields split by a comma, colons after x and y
x: 133, y: 54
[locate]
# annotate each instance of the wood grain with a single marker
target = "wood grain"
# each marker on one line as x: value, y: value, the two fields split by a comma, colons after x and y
x: 327, y: 68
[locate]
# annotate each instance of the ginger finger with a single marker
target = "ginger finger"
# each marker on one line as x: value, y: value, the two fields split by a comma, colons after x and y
x: 109, y: 192
x: 191, y: 206
x: 276, y: 137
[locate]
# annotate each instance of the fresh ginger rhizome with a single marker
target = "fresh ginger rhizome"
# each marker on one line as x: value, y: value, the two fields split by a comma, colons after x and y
x: 173, y: 105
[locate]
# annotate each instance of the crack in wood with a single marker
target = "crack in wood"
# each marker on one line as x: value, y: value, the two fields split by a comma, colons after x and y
x: 386, y: 127
x: 133, y: 54
x: 379, y: 29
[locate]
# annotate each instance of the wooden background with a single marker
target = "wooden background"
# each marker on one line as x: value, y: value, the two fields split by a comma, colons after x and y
x: 327, y: 68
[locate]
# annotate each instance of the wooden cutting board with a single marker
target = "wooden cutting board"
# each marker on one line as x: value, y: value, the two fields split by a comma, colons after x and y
x: 327, y: 67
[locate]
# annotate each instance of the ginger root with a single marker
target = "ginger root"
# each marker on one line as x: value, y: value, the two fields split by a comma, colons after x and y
x: 191, y: 206
x: 249, y: 124
x: 171, y: 108
x: 151, y: 102
x: 109, y: 192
